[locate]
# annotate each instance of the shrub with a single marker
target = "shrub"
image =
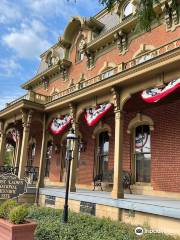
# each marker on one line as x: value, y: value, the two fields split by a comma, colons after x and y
x: 6, y: 207
x: 83, y: 227
x: 18, y: 214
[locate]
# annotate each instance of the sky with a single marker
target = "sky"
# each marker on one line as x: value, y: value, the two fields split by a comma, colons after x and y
x: 27, y: 29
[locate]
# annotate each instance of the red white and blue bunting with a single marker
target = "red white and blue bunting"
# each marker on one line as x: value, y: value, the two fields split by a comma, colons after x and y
x: 93, y: 115
x: 59, y: 125
x: 155, y: 94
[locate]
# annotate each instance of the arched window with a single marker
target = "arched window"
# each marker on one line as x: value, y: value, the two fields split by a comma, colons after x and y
x: 142, y: 153
x: 101, y: 167
x: 80, y: 53
x: 48, y: 157
x: 127, y: 10
x: 49, y: 59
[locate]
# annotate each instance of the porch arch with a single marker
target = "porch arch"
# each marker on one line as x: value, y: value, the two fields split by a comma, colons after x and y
x: 140, y: 119
x: 101, y: 127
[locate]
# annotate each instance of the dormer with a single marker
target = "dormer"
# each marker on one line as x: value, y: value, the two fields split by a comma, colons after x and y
x: 53, y: 62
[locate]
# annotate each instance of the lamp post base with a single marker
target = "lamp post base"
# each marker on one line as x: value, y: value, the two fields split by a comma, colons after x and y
x: 65, y: 214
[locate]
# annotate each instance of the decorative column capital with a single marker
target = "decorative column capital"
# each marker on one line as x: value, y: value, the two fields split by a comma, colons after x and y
x: 26, y: 118
x: 119, y: 114
x: 116, y: 98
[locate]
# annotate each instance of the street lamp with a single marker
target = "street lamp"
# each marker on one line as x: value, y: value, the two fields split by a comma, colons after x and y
x: 71, y: 142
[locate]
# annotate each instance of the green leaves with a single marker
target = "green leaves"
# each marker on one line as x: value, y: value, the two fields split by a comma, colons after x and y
x: 83, y: 227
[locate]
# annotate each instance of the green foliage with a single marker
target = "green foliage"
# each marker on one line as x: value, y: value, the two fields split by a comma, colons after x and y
x: 108, y: 3
x: 18, y: 214
x: 8, y: 158
x: 6, y: 207
x: 83, y: 227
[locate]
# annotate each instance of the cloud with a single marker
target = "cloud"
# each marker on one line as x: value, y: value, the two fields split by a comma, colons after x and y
x: 9, y: 12
x: 53, y: 8
x: 29, y: 41
x: 8, y: 97
x: 8, y: 67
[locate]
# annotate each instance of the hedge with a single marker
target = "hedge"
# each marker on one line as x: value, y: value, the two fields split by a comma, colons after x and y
x: 84, y: 227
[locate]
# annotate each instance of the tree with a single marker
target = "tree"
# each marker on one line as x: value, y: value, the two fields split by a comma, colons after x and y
x: 145, y: 10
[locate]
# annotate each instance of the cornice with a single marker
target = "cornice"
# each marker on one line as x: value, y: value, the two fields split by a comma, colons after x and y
x: 49, y: 73
x: 22, y: 104
x: 121, y: 79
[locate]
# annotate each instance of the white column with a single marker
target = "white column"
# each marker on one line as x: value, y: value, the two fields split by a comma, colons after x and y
x: 117, y: 191
x: 2, y: 143
x: 25, y: 140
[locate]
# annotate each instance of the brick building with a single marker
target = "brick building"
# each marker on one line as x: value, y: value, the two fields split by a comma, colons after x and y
x: 98, y: 61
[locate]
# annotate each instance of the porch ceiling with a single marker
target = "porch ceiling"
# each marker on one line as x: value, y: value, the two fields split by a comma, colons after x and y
x: 136, y: 103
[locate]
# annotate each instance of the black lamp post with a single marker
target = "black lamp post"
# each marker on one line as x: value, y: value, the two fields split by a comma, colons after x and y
x: 71, y: 142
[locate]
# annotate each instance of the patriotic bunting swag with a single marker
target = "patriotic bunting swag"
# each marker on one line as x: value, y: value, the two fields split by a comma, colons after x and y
x: 155, y: 94
x: 141, y: 140
x: 93, y: 115
x: 58, y: 125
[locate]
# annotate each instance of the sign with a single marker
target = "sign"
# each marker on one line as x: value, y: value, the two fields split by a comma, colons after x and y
x: 58, y: 125
x: 155, y: 94
x: 50, y: 200
x: 93, y: 115
x: 11, y: 186
x: 88, y: 207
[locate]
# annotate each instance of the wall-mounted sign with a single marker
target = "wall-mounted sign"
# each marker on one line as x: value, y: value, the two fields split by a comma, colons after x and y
x: 88, y: 207
x: 58, y: 125
x: 11, y: 186
x: 93, y: 115
x: 50, y: 200
x: 155, y: 94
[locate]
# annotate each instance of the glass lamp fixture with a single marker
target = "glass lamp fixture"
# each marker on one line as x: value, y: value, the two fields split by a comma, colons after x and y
x: 71, y: 140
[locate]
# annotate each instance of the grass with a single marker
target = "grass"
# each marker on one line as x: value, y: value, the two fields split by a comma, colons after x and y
x: 84, y: 227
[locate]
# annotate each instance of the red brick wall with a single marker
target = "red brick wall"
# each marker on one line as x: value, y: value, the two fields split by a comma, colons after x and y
x: 156, y: 37
x: 36, y: 132
x: 165, y: 142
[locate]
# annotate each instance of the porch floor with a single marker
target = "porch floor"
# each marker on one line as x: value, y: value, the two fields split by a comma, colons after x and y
x: 142, y: 203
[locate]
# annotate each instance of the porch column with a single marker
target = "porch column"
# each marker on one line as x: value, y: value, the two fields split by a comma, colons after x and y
x: 117, y: 191
x: 18, y: 150
x: 42, y: 162
x: 75, y: 125
x: 26, y: 119
x: 2, y: 143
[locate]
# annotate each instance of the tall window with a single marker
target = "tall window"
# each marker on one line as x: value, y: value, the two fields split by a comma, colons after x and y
x: 80, y: 53
x: 31, y: 154
x: 48, y: 158
x: 143, y: 153
x: 127, y: 11
x: 102, y: 155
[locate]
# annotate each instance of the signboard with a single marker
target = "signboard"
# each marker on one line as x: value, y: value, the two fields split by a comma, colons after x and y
x: 88, y: 207
x: 50, y: 200
x: 11, y: 186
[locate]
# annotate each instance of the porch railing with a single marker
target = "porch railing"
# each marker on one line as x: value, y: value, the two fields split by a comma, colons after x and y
x: 31, y: 173
x: 30, y: 96
x: 8, y: 169
x: 120, y: 68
